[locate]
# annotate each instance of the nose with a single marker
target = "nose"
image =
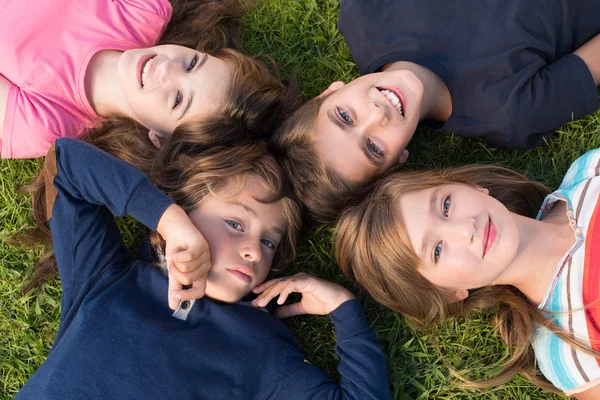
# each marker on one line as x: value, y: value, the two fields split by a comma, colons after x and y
x: 376, y: 118
x: 462, y: 231
x: 250, y: 251
x: 165, y: 71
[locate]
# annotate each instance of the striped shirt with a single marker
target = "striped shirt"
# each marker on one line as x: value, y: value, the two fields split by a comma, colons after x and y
x: 575, y: 283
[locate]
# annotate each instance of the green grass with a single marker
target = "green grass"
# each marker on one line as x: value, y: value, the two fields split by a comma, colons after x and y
x: 302, y: 37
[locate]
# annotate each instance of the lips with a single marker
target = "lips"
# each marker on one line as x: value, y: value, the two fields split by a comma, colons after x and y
x: 489, y: 236
x: 242, y: 272
x: 399, y: 94
x: 140, y: 67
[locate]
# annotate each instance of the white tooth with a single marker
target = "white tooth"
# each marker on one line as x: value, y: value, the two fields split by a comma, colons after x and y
x: 144, y: 75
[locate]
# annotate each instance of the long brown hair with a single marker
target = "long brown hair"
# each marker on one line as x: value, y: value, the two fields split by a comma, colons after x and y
x: 188, y: 172
x: 372, y: 246
x: 256, y: 102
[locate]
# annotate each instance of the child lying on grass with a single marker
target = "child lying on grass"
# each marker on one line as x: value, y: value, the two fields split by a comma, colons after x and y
x: 511, y: 72
x: 118, y: 338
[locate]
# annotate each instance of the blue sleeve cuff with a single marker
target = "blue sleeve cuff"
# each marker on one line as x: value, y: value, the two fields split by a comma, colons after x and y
x: 147, y: 204
x: 349, y: 320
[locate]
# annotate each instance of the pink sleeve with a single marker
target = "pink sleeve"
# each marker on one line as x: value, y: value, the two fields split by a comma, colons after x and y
x: 32, y: 124
x: 162, y: 8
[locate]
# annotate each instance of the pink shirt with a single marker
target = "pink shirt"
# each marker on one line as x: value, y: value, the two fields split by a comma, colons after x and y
x: 45, y: 48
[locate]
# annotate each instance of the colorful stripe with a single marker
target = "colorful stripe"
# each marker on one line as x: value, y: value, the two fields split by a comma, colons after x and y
x: 591, y: 278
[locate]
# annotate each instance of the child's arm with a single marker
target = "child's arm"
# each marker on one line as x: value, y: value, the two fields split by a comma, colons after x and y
x: 590, y: 54
x: 362, y: 364
x: 560, y: 92
x: 85, y: 187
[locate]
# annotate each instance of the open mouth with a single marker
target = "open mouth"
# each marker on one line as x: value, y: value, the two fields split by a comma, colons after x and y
x: 145, y: 69
x: 395, y: 97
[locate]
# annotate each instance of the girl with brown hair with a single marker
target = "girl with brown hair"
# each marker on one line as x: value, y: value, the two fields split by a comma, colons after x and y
x: 118, y: 337
x: 156, y: 67
x: 435, y: 244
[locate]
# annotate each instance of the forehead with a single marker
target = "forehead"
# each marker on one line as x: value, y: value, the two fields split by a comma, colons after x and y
x: 210, y: 84
x: 339, y: 149
x: 244, y: 196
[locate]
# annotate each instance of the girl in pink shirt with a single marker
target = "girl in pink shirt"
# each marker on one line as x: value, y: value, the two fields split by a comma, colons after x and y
x: 67, y: 65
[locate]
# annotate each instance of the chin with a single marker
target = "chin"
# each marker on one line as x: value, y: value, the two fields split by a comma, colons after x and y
x: 225, y: 295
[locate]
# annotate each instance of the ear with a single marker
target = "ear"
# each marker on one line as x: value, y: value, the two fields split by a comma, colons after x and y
x: 403, y: 157
x: 332, y: 88
x: 157, y: 138
x: 482, y: 189
x: 457, y: 295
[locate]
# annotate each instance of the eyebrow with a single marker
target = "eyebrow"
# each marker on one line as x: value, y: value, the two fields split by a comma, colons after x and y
x: 197, y: 67
x: 251, y: 211
x: 433, y: 201
x: 345, y: 127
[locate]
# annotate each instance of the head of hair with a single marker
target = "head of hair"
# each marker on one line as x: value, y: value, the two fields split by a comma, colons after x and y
x: 189, y: 168
x: 322, y: 192
x: 256, y: 102
x: 372, y: 246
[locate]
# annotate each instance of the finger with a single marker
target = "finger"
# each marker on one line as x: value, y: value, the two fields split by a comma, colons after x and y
x: 174, y: 286
x: 285, y: 292
x: 187, y: 278
x: 268, y: 294
x: 265, y: 285
x: 289, y: 310
x: 193, y: 264
x: 190, y: 255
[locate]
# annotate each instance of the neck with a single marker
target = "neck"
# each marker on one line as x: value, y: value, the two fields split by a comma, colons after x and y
x: 541, y: 247
x: 437, y: 102
x: 102, y: 85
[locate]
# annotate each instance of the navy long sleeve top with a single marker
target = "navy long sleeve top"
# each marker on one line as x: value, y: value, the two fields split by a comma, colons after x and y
x: 117, y: 337
x: 509, y: 65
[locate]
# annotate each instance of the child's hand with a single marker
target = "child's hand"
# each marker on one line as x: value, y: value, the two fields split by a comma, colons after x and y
x: 186, y: 253
x: 318, y: 296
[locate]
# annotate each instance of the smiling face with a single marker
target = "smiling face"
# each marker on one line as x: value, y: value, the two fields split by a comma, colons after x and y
x: 242, y: 234
x: 363, y: 128
x: 465, y: 238
x: 168, y: 85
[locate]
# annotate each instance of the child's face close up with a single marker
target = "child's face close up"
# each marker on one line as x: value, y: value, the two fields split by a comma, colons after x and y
x: 363, y: 128
x: 464, y: 238
x: 242, y: 234
x: 168, y: 85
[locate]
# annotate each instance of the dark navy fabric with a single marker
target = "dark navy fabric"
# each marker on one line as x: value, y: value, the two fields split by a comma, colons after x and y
x: 117, y: 337
x: 508, y: 64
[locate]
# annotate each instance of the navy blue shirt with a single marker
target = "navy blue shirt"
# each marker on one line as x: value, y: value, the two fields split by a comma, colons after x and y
x: 117, y: 337
x: 508, y: 64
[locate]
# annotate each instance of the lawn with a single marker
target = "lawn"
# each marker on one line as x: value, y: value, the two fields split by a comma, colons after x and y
x: 301, y: 35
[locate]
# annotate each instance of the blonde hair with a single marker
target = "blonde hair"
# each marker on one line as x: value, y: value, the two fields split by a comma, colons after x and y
x: 372, y: 246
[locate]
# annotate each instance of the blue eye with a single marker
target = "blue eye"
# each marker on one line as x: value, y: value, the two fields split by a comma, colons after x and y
x: 437, y: 252
x: 268, y: 243
x: 235, y: 225
x: 193, y: 63
x: 373, y: 148
x: 344, y: 116
x: 446, y: 206
x: 178, y: 99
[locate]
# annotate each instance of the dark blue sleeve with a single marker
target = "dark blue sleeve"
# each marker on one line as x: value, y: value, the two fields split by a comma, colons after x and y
x: 85, y: 187
x: 558, y: 93
x: 362, y: 367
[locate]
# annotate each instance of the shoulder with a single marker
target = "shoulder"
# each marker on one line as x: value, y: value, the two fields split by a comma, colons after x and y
x: 162, y: 8
x: 585, y: 167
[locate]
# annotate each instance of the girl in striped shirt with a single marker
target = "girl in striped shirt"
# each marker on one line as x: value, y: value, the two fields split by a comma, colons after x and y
x: 447, y: 243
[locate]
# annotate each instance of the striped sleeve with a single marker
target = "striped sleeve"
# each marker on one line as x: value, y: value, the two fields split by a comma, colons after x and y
x: 575, y: 285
